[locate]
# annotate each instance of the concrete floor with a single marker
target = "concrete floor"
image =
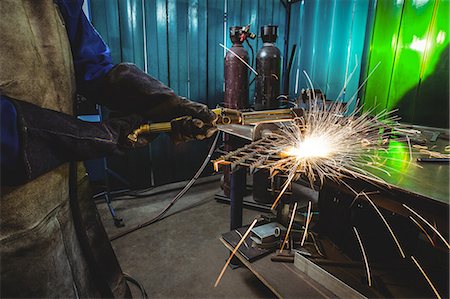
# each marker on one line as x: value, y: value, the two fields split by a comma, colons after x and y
x: 181, y: 256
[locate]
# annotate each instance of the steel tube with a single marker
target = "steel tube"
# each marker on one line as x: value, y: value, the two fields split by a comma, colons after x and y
x: 237, y: 191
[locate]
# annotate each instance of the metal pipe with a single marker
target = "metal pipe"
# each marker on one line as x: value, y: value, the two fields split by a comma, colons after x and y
x: 237, y: 191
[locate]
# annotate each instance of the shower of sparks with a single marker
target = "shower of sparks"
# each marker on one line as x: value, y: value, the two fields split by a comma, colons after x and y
x: 308, y: 218
x: 426, y: 277
x: 323, y: 143
x: 429, y: 225
x: 234, y: 252
x: 289, y: 228
x: 363, y: 252
x: 326, y: 142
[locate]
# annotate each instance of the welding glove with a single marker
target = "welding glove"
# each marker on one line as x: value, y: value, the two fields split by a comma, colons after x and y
x: 127, y: 89
x: 185, y: 128
x: 49, y: 138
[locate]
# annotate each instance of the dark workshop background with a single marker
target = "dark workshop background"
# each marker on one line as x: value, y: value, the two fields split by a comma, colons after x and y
x: 403, y: 42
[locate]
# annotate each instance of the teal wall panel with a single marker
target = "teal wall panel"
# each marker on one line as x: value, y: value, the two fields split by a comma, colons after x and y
x: 177, y: 41
x: 330, y: 36
x: 105, y: 16
x: 156, y: 40
x: 215, y: 54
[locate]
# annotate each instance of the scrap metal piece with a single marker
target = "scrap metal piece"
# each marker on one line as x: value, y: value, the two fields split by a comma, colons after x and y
x: 266, y: 233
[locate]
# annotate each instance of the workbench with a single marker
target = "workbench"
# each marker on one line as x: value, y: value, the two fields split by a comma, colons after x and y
x: 424, y: 187
x: 283, y: 279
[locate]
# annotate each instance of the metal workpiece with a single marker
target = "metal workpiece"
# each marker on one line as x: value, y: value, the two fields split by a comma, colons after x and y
x: 267, y: 233
x: 270, y: 116
x: 268, y: 67
x: 250, y: 132
x: 253, y: 156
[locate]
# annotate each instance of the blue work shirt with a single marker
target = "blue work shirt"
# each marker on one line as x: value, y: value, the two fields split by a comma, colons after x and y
x: 91, y: 59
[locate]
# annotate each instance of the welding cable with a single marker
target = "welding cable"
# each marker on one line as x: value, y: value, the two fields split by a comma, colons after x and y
x: 253, y: 60
x: 253, y: 52
x: 134, y: 281
x: 163, y: 189
x: 176, y: 198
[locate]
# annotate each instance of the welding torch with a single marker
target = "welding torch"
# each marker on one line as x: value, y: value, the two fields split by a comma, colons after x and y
x: 225, y: 116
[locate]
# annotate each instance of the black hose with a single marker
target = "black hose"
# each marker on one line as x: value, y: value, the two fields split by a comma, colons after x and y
x: 253, y: 52
x: 253, y: 60
x: 176, y: 198
x: 136, y: 283
x: 288, y: 70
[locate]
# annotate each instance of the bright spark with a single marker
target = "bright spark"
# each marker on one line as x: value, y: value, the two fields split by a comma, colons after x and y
x: 323, y: 143
x: 429, y: 225
x: 308, y: 219
x: 234, y: 252
x: 289, y: 228
x: 426, y: 277
x: 310, y: 147
x: 363, y: 252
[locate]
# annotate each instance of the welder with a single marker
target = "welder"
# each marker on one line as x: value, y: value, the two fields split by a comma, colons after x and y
x: 52, y: 242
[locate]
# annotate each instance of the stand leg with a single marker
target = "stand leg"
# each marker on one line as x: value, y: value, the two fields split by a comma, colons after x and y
x: 237, y: 191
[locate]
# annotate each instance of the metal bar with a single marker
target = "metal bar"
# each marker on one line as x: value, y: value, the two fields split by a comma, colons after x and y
x: 237, y: 191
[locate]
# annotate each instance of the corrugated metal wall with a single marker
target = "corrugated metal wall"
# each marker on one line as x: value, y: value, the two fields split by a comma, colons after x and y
x: 330, y: 39
x: 178, y: 43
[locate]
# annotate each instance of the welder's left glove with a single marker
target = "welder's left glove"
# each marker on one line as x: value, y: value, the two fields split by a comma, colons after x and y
x: 49, y: 138
x: 126, y: 90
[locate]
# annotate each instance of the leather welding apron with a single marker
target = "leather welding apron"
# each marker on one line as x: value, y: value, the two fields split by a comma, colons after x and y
x: 50, y: 246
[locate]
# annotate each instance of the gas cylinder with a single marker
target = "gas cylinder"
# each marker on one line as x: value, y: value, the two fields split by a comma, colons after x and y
x: 236, y: 72
x: 268, y: 67
x: 236, y: 88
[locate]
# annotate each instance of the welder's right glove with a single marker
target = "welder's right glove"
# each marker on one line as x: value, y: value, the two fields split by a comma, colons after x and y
x: 126, y: 89
x: 49, y: 138
x: 185, y: 129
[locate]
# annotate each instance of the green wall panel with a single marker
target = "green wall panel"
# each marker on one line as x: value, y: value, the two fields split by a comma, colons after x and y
x: 413, y: 72
x: 382, y: 53
x: 433, y: 91
x: 409, y: 55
